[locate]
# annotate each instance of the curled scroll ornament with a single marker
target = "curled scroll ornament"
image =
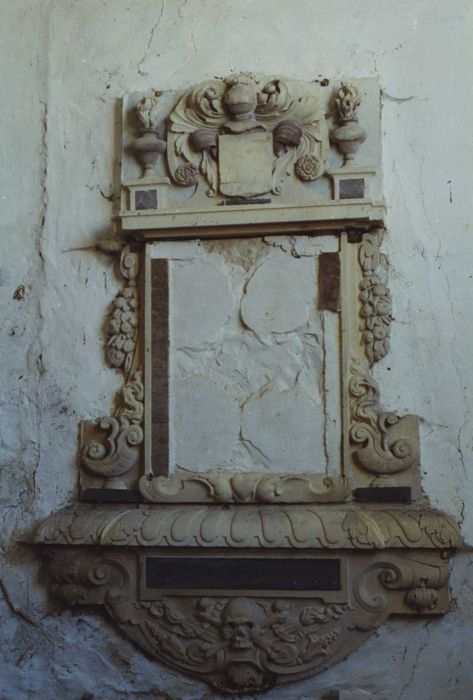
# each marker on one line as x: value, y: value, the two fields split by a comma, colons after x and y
x: 385, y: 443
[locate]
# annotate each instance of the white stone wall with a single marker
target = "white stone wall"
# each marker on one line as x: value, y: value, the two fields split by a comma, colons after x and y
x: 64, y: 65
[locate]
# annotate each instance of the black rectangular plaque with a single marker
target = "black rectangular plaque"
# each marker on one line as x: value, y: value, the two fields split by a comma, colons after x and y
x: 103, y: 495
x: 241, y: 200
x: 353, y: 188
x: 383, y: 494
x: 212, y: 573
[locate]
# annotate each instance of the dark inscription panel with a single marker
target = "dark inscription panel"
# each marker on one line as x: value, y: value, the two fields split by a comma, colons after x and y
x: 160, y: 365
x: 209, y: 573
x: 329, y: 282
x: 383, y: 494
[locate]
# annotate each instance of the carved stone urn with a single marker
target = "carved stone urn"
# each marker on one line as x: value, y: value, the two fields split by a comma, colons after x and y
x: 349, y: 135
x: 148, y: 147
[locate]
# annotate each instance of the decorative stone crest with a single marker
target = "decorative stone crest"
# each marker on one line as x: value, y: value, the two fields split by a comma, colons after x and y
x: 246, y: 135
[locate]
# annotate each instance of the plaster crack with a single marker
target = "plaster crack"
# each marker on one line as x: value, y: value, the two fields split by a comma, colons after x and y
x: 16, y: 611
x: 416, y: 660
x: 401, y: 100
x: 150, y: 41
x: 457, y: 329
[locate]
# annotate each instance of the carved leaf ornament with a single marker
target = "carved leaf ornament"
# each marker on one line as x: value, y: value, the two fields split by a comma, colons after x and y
x: 386, y: 444
x: 297, y: 122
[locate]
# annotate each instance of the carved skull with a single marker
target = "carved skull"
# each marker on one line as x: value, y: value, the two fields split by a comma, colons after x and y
x: 239, y: 618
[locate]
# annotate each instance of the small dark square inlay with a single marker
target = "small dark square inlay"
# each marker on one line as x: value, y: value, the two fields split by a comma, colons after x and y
x: 146, y: 199
x: 352, y: 189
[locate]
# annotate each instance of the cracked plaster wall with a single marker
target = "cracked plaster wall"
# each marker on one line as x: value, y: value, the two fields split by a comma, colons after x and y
x: 64, y: 65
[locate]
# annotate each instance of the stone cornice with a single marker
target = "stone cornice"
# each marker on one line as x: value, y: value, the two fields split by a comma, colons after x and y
x: 315, y: 527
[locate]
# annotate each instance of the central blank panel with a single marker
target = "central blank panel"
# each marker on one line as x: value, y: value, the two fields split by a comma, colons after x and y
x: 245, y: 367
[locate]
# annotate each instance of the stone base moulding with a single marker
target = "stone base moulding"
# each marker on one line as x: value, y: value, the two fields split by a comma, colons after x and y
x: 308, y: 584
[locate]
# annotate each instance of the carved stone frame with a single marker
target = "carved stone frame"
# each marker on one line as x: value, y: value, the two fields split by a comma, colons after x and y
x: 371, y: 521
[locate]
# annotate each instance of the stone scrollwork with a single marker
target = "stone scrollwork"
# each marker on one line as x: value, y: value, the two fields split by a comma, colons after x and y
x: 249, y: 643
x: 118, y: 453
x: 114, y: 455
x: 375, y: 299
x: 385, y: 443
x: 241, y: 105
x: 219, y: 487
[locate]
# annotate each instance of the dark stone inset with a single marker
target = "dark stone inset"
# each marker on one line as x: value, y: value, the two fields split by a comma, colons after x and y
x: 352, y: 188
x: 329, y: 282
x: 211, y: 573
x: 146, y: 199
x: 160, y: 367
x: 242, y: 200
x: 112, y: 496
x: 383, y: 494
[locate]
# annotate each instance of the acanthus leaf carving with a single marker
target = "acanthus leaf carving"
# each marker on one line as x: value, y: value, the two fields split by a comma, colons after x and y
x: 219, y: 487
x: 384, y: 442
x: 375, y: 299
x: 241, y: 526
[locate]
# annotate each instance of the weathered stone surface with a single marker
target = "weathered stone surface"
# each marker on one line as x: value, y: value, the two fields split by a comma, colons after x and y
x: 201, y: 303
x: 284, y: 428
x: 279, y: 295
x: 206, y: 424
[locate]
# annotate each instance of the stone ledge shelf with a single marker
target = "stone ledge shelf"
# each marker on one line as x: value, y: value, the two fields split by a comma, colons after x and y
x: 250, y: 526
x: 226, y: 221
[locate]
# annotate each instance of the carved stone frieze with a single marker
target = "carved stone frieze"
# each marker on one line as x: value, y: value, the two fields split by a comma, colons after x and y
x: 384, y: 442
x: 375, y: 298
x: 221, y: 487
x: 240, y: 526
x: 253, y: 123
x: 248, y: 643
